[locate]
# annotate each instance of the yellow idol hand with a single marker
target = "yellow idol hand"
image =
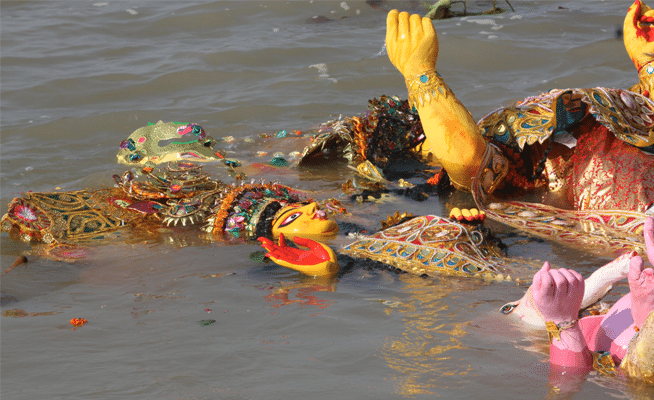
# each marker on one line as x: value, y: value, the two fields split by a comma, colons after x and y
x: 411, y: 43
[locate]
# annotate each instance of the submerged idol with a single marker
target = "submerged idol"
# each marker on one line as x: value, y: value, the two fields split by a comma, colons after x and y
x: 178, y: 194
x: 589, y: 151
x: 623, y: 337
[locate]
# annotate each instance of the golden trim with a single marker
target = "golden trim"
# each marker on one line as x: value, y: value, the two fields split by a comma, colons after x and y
x: 554, y: 330
x: 426, y: 87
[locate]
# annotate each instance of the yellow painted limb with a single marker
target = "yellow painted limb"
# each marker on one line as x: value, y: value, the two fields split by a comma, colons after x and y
x: 452, y: 134
x: 452, y: 137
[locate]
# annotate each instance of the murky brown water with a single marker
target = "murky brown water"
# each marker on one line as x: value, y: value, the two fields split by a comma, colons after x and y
x: 78, y: 77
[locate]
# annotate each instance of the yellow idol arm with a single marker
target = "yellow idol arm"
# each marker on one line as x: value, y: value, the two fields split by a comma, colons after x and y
x: 451, y: 133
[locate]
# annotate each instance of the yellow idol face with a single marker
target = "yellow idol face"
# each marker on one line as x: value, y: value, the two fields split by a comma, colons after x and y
x: 304, y: 221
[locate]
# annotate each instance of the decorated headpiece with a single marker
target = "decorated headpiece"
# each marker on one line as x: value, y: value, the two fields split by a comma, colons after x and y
x: 184, y: 194
x: 179, y: 194
x: 168, y: 141
x: 249, y: 210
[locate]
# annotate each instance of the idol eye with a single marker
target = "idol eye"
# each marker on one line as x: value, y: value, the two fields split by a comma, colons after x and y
x: 507, y: 308
x: 288, y: 220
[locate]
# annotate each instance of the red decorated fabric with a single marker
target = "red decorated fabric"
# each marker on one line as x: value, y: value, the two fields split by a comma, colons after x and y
x: 609, y: 174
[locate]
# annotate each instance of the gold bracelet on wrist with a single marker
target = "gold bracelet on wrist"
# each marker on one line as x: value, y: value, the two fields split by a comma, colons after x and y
x: 425, y: 87
x: 554, y: 330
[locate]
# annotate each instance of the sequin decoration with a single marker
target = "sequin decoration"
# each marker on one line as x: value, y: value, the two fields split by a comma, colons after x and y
x: 25, y: 213
x: 433, y: 246
x: 630, y: 116
x: 29, y: 216
x: 168, y: 141
x: 602, y: 173
x: 61, y: 216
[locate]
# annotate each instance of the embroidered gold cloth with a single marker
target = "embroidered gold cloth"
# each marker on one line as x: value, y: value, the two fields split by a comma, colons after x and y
x: 639, y: 360
x: 435, y: 246
x: 66, y: 217
x: 629, y: 115
x: 600, y: 179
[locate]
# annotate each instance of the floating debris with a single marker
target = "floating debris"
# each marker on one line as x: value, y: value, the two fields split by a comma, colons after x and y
x: 19, y: 261
x: 442, y: 10
x: 218, y: 275
x: 279, y: 162
x: 17, y: 313
x: 259, y: 256
x: 78, y: 321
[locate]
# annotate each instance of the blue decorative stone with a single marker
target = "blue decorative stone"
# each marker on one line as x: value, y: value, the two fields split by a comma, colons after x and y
x: 424, y: 78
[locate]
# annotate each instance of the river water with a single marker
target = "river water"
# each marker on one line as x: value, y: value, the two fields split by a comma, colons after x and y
x: 77, y: 77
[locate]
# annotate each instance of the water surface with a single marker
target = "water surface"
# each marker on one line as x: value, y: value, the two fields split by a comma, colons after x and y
x: 77, y: 77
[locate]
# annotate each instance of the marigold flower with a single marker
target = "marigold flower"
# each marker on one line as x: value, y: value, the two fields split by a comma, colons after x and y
x: 78, y: 321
